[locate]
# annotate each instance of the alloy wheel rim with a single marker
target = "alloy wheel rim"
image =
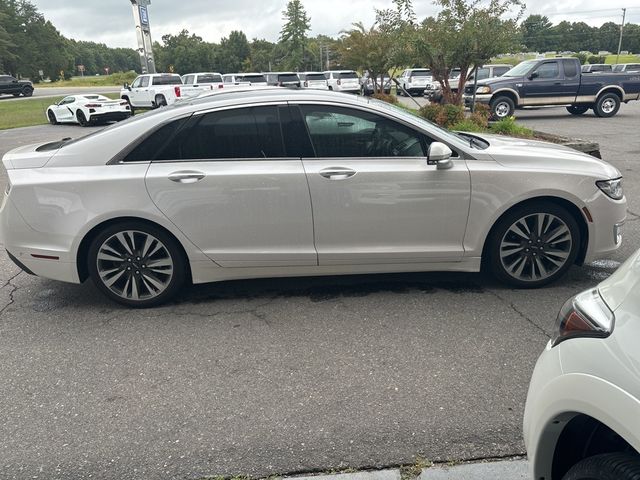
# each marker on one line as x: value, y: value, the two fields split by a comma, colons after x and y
x: 535, y: 247
x: 608, y: 105
x: 502, y: 109
x: 134, y: 265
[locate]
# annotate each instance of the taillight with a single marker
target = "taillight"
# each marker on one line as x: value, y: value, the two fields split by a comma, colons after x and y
x: 177, y: 91
x: 410, y: 79
x: 339, y: 82
x: 279, y: 84
x: 124, y: 103
x: 585, y: 315
x: 220, y: 85
x: 306, y: 84
x: 92, y: 105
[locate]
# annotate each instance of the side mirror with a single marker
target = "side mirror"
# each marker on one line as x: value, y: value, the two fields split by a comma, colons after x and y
x: 534, y: 75
x: 127, y: 86
x: 440, y: 155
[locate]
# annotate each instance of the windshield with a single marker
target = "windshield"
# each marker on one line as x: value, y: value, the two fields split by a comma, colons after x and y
x: 445, y: 134
x: 521, y: 69
x: 209, y: 78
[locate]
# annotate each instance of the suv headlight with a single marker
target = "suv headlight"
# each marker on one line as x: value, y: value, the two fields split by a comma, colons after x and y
x: 585, y: 315
x: 484, y: 89
x: 612, y: 188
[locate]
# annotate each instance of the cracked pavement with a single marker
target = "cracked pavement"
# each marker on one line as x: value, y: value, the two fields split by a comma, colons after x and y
x: 280, y: 375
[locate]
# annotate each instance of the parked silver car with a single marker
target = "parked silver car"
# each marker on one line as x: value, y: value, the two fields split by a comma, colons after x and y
x: 245, y: 183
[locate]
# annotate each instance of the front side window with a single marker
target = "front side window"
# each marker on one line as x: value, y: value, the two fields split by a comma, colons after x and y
x: 244, y: 133
x: 482, y: 73
x: 499, y: 71
x: 188, y: 80
x: 67, y: 100
x: 136, y: 82
x: 344, y: 132
x: 547, y: 70
x: 144, y: 82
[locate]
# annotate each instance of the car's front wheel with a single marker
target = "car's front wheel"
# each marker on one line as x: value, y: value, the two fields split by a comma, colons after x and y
x: 137, y: 265
x: 608, y: 466
x: 27, y: 91
x: 533, y: 245
x: 502, y: 107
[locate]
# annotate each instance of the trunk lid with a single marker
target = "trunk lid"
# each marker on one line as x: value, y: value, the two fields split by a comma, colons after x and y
x: 31, y: 156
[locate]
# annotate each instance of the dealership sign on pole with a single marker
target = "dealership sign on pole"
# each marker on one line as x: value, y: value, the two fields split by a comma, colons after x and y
x: 143, y: 33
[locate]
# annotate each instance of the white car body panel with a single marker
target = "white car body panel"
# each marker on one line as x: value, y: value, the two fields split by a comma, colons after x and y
x: 144, y: 96
x: 589, y: 376
x: 337, y: 84
x: 51, y: 208
x: 66, y: 111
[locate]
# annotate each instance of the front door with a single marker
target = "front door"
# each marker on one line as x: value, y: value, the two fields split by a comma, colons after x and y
x: 375, y: 199
x: 225, y: 181
x: 62, y: 111
x: 544, y: 86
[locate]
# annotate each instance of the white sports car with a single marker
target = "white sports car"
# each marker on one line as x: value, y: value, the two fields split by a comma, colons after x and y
x: 87, y: 110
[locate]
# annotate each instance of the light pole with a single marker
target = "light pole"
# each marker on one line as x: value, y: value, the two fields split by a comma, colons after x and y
x: 143, y: 33
x: 624, y: 13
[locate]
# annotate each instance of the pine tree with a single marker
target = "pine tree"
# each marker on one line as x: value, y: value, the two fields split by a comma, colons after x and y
x: 294, y: 33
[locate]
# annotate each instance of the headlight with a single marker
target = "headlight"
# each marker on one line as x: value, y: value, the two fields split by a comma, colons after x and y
x: 612, y: 188
x: 585, y: 315
x: 484, y: 89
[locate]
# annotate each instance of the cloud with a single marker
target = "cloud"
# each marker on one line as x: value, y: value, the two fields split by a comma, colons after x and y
x: 111, y: 21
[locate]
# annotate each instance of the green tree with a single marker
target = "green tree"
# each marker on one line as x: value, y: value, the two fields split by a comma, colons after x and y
x: 184, y: 53
x: 535, y: 31
x: 465, y: 34
x: 260, y: 56
x: 294, y: 34
x: 233, y: 53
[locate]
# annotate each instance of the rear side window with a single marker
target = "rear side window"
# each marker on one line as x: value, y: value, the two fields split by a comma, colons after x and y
x: 547, y: 70
x: 167, y: 80
x: 239, y: 133
x: 149, y: 147
x: 633, y: 68
x: 570, y: 68
x: 499, y: 71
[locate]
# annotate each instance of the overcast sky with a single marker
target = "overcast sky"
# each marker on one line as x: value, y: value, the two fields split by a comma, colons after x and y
x: 111, y: 21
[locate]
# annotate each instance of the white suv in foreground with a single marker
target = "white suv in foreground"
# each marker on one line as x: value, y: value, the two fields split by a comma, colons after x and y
x: 582, y: 418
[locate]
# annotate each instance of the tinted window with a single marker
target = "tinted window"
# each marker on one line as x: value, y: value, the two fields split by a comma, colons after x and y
x: 167, y: 80
x: 254, y: 78
x: 483, y: 73
x: 342, y: 132
x: 288, y: 77
x: 315, y: 76
x: 421, y: 73
x: 547, y: 70
x: 152, y: 144
x: 348, y: 75
x: 633, y: 68
x: 136, y: 82
x: 499, y: 71
x: 618, y: 68
x: 144, y: 82
x: 570, y: 68
x: 209, y: 78
x: 239, y: 133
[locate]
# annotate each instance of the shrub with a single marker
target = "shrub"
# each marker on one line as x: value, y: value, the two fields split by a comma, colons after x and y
x: 597, y: 59
x: 468, y: 125
x: 444, y: 115
x: 508, y: 126
x: 481, y: 115
x: 386, y: 97
x: 120, y: 77
x: 581, y: 56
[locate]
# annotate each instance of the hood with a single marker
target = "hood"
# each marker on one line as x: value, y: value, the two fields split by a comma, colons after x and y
x: 30, y: 156
x: 496, y: 82
x: 531, y: 154
x: 625, y: 281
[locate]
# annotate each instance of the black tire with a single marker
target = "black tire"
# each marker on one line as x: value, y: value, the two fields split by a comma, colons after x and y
x: 179, y: 263
x: 52, y: 118
x: 131, y: 109
x: 16, y: 94
x: 82, y: 120
x: 502, y: 107
x: 607, y: 105
x: 608, y: 466
x: 541, y: 257
x: 27, y: 91
x: 160, y: 101
x: 577, y: 109
x: 330, y: 88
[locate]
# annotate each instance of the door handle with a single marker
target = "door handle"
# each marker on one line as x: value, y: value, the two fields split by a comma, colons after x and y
x: 186, y: 176
x: 557, y: 83
x: 337, y: 173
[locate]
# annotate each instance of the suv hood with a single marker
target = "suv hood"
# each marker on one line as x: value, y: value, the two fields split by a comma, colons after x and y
x: 534, y: 154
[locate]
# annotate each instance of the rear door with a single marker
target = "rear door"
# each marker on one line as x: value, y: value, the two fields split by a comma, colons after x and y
x: 375, y: 199
x: 225, y: 180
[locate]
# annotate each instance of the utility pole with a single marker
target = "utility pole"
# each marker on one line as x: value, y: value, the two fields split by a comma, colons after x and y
x: 143, y: 33
x: 624, y: 13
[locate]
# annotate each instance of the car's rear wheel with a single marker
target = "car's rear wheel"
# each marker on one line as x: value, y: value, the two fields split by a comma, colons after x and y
x: 533, y: 245
x: 137, y: 265
x: 131, y: 109
x: 82, y: 120
x: 502, y: 107
x: 607, y: 105
x: 160, y: 101
x: 608, y: 466
x: 52, y: 118
x: 577, y: 109
x: 27, y: 91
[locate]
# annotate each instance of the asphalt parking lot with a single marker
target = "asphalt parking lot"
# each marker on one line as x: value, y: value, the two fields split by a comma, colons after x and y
x: 279, y: 376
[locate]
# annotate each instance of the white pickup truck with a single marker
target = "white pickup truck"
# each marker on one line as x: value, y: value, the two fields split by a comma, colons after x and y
x: 158, y: 89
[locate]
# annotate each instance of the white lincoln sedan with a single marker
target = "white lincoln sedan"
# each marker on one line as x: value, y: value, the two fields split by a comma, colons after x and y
x: 277, y: 182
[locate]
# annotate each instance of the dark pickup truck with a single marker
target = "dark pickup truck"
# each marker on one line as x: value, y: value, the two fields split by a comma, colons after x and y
x: 555, y: 81
x: 11, y: 86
